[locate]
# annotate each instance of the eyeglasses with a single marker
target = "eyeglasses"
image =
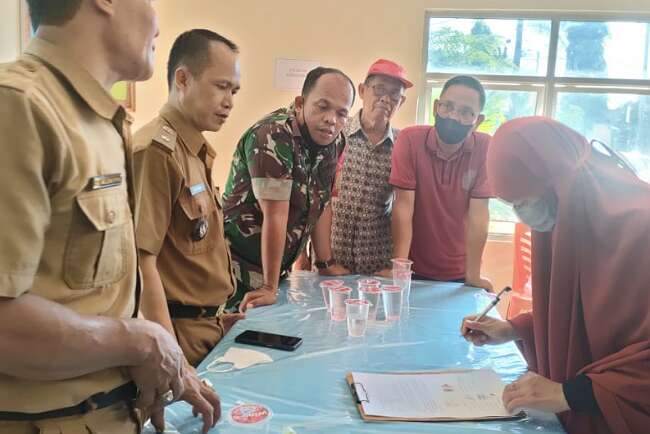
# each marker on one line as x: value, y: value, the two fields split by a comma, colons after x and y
x: 381, y: 90
x: 465, y: 114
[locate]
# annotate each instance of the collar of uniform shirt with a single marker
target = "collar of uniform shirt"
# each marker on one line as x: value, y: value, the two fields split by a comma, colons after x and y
x: 89, y: 89
x: 191, y: 137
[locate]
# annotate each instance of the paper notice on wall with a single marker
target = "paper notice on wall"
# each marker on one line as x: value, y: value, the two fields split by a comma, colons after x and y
x: 290, y: 73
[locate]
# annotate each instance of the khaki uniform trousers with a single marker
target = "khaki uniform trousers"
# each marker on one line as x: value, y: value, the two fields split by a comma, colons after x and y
x: 197, y: 336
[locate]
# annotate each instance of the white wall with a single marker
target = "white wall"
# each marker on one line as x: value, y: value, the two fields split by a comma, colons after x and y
x: 9, y: 29
x: 348, y: 34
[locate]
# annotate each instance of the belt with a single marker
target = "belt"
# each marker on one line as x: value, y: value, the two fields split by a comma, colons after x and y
x: 124, y: 393
x: 177, y: 310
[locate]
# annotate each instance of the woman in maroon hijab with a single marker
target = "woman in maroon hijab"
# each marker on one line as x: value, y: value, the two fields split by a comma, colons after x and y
x: 587, y: 340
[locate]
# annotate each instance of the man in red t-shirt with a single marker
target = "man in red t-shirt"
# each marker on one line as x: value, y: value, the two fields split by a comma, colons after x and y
x: 440, y: 213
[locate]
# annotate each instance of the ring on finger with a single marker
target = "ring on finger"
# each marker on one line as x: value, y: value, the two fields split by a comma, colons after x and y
x: 167, y: 397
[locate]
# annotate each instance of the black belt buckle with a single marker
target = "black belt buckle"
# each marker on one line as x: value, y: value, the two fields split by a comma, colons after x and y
x: 185, y: 311
x: 206, y: 312
x: 203, y: 312
x: 88, y: 405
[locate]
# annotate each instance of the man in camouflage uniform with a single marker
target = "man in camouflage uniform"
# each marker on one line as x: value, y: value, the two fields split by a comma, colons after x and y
x: 281, y: 181
x: 361, y: 235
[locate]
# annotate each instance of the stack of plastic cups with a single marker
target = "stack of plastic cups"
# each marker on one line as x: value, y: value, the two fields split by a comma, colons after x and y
x: 370, y: 290
x: 402, y: 275
x: 325, y: 286
x: 338, y: 296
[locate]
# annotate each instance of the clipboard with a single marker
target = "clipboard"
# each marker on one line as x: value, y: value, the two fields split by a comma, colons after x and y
x: 360, y: 396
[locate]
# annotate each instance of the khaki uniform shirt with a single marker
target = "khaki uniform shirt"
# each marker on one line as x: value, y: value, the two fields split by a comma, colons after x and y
x: 66, y: 227
x: 180, y: 220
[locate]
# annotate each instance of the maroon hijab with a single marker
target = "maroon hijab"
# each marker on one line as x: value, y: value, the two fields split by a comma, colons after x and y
x: 591, y: 274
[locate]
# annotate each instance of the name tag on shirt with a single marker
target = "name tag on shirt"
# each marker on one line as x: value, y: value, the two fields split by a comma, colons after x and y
x: 105, y: 181
x: 197, y: 188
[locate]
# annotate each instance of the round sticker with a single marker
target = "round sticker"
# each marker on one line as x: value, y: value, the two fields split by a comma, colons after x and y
x: 250, y: 414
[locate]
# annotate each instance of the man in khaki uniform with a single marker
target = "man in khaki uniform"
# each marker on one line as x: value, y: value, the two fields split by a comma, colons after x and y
x: 73, y: 357
x: 185, y: 259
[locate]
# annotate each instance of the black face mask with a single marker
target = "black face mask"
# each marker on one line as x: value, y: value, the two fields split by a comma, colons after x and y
x: 451, y: 131
x: 312, y: 147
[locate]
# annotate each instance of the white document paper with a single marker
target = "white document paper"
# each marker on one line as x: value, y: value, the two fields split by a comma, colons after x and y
x: 290, y: 73
x: 463, y: 395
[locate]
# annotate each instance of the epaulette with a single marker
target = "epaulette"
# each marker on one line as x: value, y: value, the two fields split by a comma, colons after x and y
x: 166, y: 136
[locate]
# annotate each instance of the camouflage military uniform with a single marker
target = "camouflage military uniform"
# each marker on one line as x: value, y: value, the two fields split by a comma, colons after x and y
x: 361, y: 234
x: 273, y: 161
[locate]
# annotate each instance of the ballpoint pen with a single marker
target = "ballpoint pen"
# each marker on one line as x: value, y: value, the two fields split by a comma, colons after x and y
x: 489, y: 307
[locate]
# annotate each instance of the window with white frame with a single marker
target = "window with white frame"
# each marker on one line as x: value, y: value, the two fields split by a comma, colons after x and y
x: 591, y: 72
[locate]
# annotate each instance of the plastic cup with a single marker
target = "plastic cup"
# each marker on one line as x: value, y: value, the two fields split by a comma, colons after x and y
x: 402, y: 278
x: 401, y: 264
x: 368, y: 282
x: 357, y: 313
x: 372, y: 294
x: 325, y: 285
x: 337, y: 302
x: 392, y: 297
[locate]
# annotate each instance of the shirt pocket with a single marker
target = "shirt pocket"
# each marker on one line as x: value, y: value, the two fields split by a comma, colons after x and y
x: 100, y: 240
x: 195, y: 212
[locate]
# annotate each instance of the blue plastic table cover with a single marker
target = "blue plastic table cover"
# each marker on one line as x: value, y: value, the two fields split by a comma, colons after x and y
x: 306, y: 389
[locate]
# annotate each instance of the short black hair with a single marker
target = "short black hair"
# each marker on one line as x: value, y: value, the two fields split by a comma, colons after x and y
x: 467, y: 81
x: 191, y: 49
x: 316, y: 73
x: 52, y: 12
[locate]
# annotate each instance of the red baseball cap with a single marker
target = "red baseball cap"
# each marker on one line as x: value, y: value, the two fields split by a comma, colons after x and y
x: 389, y: 69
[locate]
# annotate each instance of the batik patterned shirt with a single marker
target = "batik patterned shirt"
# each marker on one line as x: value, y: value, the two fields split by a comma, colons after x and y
x: 361, y: 235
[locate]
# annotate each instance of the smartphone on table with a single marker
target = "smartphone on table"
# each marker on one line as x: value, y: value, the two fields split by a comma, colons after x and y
x: 269, y: 340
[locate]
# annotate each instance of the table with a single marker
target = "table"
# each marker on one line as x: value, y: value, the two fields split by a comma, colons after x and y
x: 306, y: 389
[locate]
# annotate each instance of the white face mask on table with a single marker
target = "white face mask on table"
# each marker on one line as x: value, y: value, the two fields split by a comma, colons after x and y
x: 236, y: 359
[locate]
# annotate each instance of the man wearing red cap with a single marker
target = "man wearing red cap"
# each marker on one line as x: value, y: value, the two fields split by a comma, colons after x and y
x: 361, y: 238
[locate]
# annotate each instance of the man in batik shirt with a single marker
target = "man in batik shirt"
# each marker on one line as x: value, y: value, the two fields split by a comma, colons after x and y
x: 361, y: 235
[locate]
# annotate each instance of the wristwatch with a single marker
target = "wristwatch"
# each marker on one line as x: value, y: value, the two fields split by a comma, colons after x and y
x: 321, y: 265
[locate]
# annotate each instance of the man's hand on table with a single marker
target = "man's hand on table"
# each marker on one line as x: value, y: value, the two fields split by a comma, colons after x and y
x: 161, y: 370
x: 229, y: 319
x: 334, y: 270
x: 386, y: 272
x: 262, y: 296
x: 200, y: 395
